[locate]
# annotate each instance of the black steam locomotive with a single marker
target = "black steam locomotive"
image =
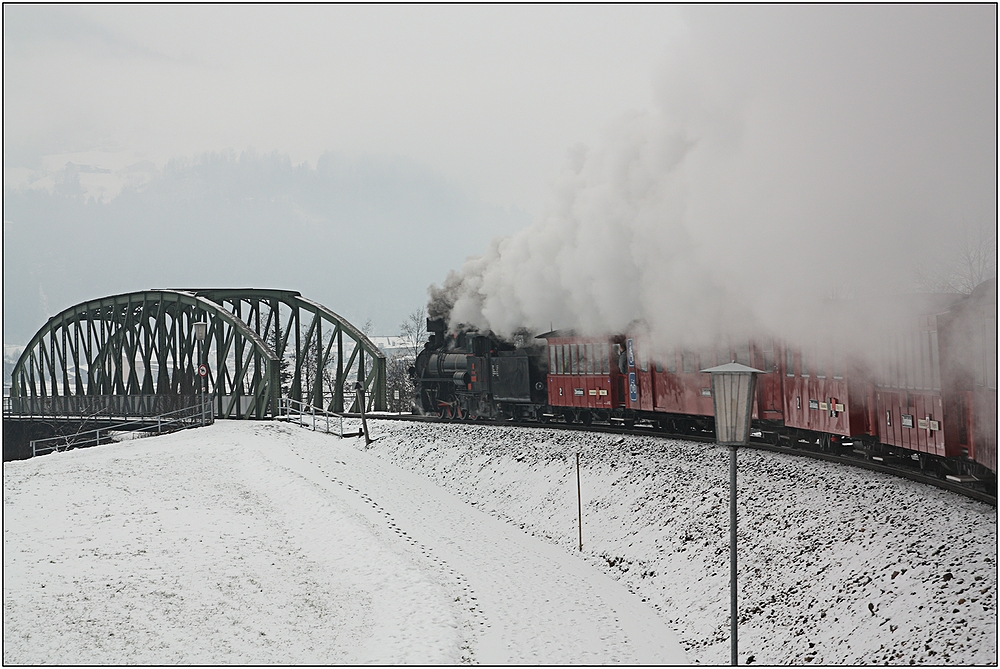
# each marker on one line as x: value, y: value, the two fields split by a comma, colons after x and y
x: 475, y: 374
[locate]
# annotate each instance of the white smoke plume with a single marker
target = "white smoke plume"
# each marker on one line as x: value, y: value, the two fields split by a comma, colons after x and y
x: 614, y: 248
x: 780, y: 170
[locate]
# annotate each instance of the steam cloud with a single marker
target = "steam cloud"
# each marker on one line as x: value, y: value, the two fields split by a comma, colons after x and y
x: 779, y: 171
x: 614, y: 248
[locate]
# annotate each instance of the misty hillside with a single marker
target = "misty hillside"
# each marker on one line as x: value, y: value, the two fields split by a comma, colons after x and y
x: 242, y: 220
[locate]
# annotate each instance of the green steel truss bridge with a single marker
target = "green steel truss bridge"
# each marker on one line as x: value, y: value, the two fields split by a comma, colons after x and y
x: 138, y: 354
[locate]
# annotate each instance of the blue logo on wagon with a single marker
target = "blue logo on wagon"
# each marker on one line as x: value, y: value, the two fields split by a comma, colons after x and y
x: 630, y: 349
x: 633, y: 387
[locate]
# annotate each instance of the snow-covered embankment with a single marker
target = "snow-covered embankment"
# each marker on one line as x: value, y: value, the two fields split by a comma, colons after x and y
x: 837, y: 565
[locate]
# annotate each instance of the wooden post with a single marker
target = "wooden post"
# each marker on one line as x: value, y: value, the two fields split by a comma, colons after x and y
x: 361, y: 405
x: 579, y: 502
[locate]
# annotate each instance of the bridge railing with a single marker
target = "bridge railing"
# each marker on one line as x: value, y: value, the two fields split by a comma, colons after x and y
x: 307, y: 415
x: 199, y: 415
x: 97, y: 405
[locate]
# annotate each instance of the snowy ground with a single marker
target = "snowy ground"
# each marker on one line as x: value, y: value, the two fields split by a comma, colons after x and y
x: 254, y: 542
x: 837, y: 565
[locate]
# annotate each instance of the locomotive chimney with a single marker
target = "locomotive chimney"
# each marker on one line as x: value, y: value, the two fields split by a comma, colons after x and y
x: 436, y: 327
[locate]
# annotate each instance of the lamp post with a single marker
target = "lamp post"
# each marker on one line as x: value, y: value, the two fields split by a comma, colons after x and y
x: 732, y: 398
x: 200, y: 330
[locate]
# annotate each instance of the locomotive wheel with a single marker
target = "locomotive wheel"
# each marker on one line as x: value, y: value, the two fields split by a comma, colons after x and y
x: 568, y: 416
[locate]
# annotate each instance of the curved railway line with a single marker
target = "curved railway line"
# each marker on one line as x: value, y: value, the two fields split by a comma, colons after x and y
x: 850, y: 457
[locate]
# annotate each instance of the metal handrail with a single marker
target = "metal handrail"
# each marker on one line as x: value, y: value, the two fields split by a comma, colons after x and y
x: 124, y: 406
x: 198, y: 415
x: 287, y: 406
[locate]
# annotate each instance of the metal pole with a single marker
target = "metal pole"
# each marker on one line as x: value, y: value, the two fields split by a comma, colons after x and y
x: 732, y: 554
x: 579, y: 503
x: 201, y: 386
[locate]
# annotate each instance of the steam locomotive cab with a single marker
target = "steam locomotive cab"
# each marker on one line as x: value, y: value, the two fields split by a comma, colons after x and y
x: 473, y: 375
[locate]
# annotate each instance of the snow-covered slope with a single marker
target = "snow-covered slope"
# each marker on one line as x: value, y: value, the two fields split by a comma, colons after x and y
x: 254, y: 542
x: 251, y: 542
x: 837, y: 565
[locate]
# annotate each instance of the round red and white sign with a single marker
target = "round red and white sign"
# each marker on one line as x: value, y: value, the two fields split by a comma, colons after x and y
x: 203, y: 370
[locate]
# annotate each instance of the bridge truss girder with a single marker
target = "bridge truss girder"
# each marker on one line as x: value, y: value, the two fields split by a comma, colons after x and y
x: 325, y: 353
x: 143, y: 343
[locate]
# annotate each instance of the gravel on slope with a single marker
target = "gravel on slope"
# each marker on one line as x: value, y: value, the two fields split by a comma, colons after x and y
x: 837, y: 565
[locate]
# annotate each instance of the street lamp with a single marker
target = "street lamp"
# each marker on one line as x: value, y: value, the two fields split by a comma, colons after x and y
x: 732, y: 398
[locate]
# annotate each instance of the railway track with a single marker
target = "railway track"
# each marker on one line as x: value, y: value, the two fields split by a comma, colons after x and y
x: 852, y: 458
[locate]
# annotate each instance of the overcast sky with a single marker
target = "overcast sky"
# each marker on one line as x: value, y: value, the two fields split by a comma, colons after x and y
x: 490, y: 97
x: 443, y: 127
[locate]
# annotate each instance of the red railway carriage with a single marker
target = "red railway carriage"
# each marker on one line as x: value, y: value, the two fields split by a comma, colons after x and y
x: 582, y: 374
x: 619, y: 377
x: 823, y: 392
x: 968, y: 343
x: 982, y: 323
x: 674, y: 383
x: 909, y: 408
x: 677, y: 385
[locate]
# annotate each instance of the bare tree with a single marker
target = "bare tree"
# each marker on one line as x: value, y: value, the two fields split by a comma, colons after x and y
x: 271, y: 340
x: 412, y: 331
x: 397, y: 382
x: 330, y: 371
x: 975, y: 261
